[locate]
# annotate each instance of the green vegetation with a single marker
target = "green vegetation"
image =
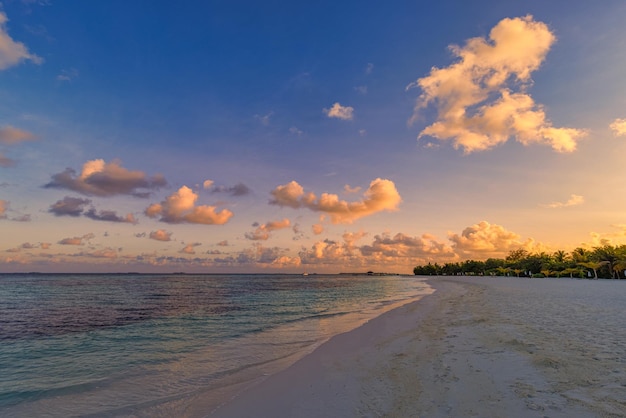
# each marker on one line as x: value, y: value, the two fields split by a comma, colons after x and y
x: 607, y: 261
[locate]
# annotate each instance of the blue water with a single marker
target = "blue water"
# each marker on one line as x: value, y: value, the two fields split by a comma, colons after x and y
x: 167, y: 345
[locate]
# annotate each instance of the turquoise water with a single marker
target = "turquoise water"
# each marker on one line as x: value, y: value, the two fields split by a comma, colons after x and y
x: 167, y: 345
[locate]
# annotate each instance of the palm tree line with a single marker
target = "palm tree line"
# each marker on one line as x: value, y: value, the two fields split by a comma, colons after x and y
x: 606, y: 261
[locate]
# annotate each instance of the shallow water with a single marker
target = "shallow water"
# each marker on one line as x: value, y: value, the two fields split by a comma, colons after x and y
x: 133, y: 345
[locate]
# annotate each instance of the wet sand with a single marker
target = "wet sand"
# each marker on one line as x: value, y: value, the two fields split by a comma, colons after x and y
x: 477, y: 347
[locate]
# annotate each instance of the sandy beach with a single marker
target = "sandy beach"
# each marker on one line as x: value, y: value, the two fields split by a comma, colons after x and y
x: 477, y: 347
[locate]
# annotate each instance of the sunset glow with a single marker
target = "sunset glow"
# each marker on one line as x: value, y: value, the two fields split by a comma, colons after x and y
x: 243, y: 137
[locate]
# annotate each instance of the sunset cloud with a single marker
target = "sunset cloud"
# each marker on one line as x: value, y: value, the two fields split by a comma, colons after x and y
x: 99, y: 178
x: 481, y: 99
x: 404, y: 246
x: 180, y: 207
x: 74, y: 206
x: 263, y: 232
x: 340, y: 112
x: 110, y: 216
x: 77, y: 240
x: 485, y: 239
x: 69, y: 206
x: 258, y: 256
x: 189, y: 248
x: 12, y: 52
x: 238, y: 189
x: 3, y: 208
x: 161, y: 235
x: 11, y: 136
x: 618, y: 127
x: 380, y: 196
x: 317, y: 229
x: 574, y: 200
x: 108, y: 253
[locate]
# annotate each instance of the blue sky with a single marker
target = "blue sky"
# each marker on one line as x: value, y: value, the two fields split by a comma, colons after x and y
x: 156, y: 98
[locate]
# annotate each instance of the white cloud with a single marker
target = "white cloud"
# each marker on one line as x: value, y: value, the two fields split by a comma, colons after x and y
x: 264, y: 119
x: 618, y: 127
x: 340, y: 112
x: 68, y: 75
x: 295, y: 131
x: 481, y: 99
x: 369, y: 68
x: 380, y: 196
x: 12, y: 52
x: 574, y: 200
x: 361, y: 89
x: 207, y: 184
x: 180, y: 207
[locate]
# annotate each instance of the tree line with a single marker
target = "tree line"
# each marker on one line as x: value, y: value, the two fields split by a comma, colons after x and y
x: 606, y: 261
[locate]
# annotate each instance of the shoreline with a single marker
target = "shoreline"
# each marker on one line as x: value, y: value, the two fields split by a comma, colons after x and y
x: 476, y: 347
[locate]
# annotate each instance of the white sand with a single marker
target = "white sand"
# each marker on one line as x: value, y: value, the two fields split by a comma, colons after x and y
x: 478, y: 347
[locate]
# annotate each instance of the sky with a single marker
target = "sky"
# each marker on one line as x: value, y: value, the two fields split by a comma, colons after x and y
x: 320, y: 137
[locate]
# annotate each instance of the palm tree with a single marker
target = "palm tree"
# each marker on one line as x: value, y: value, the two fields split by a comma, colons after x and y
x: 580, y: 255
x: 594, y: 265
x: 609, y: 255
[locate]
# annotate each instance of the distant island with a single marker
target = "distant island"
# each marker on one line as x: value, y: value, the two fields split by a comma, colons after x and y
x: 606, y: 261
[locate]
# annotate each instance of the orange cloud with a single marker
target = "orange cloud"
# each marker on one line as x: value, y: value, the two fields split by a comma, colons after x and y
x: 189, y: 248
x: 11, y: 136
x: 574, y: 200
x: 99, y: 178
x: 476, y: 106
x: 402, y: 246
x: 263, y: 232
x: 618, y: 127
x: 489, y: 240
x: 381, y: 195
x: 77, y: 240
x: 161, y: 235
x: 180, y: 208
x: 12, y: 52
x: 340, y: 112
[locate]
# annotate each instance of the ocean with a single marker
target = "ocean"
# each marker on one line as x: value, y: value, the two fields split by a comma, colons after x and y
x: 168, y: 345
